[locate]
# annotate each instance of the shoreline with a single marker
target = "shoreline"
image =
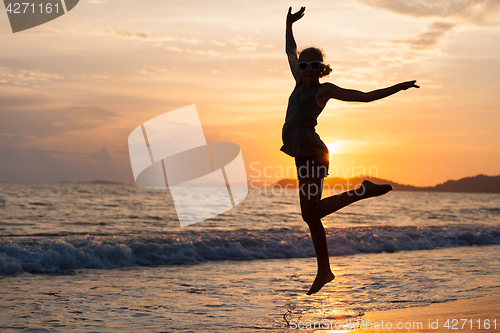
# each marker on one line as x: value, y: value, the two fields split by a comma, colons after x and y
x: 471, y: 315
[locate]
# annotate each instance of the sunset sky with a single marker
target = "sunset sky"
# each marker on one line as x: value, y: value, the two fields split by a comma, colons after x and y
x: 73, y: 89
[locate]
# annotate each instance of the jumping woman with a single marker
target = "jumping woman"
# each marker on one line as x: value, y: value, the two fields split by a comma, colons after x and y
x: 301, y: 141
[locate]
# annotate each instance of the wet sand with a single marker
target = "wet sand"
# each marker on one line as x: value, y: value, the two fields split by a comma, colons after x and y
x: 469, y: 315
x: 463, y: 315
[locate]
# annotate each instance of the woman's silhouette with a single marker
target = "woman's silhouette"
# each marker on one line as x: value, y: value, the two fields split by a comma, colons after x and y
x: 311, y: 155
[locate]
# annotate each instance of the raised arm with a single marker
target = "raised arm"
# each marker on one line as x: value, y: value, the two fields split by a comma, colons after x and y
x: 330, y: 90
x: 290, y: 45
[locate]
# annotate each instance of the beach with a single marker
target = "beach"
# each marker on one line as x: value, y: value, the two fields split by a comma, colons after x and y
x: 250, y: 296
x: 219, y: 276
x: 150, y: 155
x: 471, y: 315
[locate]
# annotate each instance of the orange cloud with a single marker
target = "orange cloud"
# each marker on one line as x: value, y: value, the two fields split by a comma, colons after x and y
x: 430, y: 38
x: 473, y: 12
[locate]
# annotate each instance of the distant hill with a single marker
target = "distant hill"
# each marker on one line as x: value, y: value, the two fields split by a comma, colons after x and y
x: 101, y: 182
x: 477, y: 184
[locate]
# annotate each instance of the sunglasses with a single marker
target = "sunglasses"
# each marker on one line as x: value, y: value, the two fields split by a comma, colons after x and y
x: 315, y: 65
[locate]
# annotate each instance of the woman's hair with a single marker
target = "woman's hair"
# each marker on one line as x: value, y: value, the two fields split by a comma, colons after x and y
x: 326, y: 70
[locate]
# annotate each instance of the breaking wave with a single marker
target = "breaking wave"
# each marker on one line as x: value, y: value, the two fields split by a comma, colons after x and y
x: 52, y: 255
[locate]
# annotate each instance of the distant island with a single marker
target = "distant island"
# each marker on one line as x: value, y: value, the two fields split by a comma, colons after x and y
x: 108, y: 182
x: 102, y: 182
x: 477, y: 184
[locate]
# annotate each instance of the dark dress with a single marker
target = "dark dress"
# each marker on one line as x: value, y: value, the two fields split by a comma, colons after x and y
x: 300, y: 139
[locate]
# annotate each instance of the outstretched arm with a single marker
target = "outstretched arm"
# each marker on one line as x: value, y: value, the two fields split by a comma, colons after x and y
x: 290, y: 45
x: 332, y: 91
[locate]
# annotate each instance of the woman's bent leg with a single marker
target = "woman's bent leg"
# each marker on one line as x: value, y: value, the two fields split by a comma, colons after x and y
x: 314, y: 209
x: 332, y: 204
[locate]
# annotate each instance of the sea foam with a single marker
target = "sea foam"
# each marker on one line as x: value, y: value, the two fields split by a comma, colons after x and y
x: 50, y: 255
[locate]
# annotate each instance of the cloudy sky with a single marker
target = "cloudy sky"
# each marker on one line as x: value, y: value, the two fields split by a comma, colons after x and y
x: 73, y: 89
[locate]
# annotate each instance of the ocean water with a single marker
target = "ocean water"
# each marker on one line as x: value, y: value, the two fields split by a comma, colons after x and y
x: 94, y: 257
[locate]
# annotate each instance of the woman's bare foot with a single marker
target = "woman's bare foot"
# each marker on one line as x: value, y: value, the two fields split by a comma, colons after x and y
x: 320, y: 281
x: 373, y: 190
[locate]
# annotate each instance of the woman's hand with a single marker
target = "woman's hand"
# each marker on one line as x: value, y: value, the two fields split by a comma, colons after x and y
x: 291, y: 18
x: 409, y: 84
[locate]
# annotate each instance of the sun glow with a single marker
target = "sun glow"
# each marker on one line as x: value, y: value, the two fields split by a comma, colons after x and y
x: 333, y: 148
